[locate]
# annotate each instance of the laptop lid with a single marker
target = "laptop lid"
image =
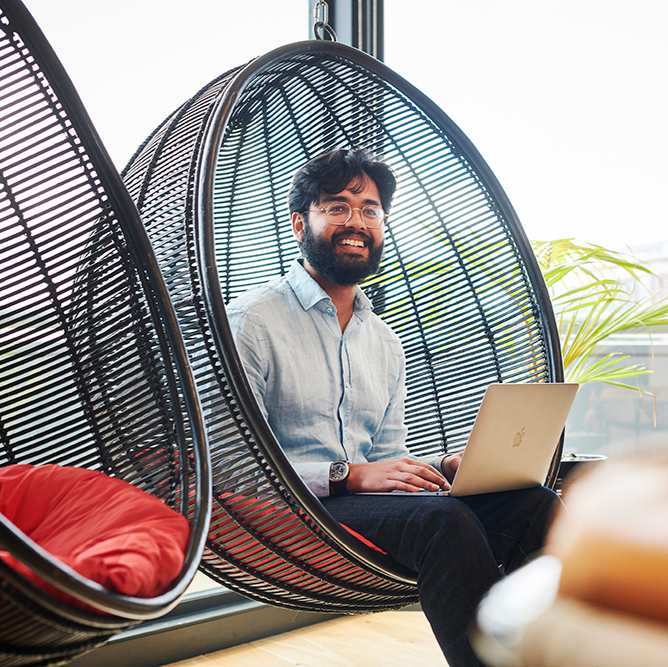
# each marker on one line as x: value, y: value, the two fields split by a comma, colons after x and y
x: 514, y: 437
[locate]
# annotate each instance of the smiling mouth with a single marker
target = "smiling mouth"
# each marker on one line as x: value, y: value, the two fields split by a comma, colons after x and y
x: 355, y: 243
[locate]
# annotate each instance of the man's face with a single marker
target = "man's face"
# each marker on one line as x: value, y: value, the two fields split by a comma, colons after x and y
x: 347, y: 254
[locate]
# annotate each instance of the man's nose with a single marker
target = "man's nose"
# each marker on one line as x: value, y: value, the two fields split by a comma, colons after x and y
x: 356, y: 219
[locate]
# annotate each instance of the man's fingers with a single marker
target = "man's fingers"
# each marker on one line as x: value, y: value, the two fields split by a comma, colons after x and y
x: 423, y: 469
x: 429, y: 474
x: 430, y: 483
x: 421, y: 486
x: 450, y: 465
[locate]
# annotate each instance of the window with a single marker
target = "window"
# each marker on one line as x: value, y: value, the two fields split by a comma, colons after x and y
x: 566, y: 103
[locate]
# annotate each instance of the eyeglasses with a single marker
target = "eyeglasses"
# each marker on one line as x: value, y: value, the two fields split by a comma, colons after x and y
x: 339, y: 213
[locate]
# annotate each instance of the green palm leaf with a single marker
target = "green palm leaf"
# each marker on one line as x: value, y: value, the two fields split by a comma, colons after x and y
x: 593, y: 293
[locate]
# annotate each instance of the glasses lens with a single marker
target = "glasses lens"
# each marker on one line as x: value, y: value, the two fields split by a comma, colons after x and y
x: 373, y: 216
x: 338, y: 213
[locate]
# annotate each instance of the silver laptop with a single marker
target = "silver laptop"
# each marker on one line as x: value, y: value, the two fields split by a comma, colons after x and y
x: 513, y: 440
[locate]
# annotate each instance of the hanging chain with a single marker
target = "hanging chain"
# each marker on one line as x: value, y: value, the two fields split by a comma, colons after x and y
x: 321, y: 27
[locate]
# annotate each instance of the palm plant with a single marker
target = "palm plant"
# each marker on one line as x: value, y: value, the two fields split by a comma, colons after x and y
x: 594, y: 294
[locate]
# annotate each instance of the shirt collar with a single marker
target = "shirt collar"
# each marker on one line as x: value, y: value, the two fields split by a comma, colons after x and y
x: 309, y: 293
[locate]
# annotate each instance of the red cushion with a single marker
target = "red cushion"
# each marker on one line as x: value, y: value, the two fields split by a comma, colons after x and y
x: 104, y: 528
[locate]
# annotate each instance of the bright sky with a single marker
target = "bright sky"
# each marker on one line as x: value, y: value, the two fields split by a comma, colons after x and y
x: 567, y: 101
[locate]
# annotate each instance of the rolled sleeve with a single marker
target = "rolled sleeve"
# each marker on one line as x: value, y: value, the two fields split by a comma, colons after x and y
x: 315, y: 476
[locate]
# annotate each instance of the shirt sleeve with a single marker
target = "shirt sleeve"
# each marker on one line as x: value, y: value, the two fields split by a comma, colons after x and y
x: 249, y: 344
x: 249, y: 348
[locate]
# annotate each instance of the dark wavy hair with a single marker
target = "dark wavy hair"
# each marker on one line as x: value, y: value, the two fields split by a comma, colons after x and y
x: 331, y: 172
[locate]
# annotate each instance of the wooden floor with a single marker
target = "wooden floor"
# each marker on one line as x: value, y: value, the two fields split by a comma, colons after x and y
x: 388, y: 639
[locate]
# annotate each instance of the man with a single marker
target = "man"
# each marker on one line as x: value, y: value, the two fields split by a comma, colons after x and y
x: 330, y: 378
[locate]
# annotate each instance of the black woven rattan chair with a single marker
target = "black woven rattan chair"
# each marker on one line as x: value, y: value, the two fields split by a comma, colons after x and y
x: 94, y: 372
x: 460, y: 285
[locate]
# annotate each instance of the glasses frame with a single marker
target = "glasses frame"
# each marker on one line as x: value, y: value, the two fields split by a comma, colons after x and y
x: 325, y: 210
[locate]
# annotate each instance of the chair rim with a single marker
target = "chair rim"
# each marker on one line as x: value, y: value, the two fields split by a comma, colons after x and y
x: 41, y: 562
x: 212, y: 289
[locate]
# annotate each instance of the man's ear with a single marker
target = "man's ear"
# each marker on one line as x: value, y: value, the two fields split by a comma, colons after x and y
x: 298, y: 226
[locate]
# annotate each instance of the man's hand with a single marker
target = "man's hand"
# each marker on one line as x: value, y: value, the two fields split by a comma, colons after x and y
x: 395, y: 474
x: 449, y: 465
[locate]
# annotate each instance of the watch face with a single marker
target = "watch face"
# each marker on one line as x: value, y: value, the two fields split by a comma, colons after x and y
x: 338, y: 471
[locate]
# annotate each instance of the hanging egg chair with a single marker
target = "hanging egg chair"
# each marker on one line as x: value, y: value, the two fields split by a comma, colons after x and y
x: 459, y: 284
x: 104, y: 473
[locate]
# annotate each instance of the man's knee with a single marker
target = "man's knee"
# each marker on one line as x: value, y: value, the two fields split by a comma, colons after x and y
x: 449, y: 528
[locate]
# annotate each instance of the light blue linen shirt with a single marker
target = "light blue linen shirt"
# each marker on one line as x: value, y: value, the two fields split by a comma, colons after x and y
x: 327, y: 395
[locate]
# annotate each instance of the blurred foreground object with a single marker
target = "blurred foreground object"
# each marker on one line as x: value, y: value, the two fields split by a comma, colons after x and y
x: 613, y: 541
x: 601, y: 595
x: 573, y: 466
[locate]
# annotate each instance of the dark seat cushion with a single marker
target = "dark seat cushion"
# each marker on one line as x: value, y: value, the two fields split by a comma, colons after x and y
x: 104, y: 528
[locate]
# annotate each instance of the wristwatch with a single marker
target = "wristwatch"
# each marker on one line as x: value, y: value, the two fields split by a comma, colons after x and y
x: 338, y: 475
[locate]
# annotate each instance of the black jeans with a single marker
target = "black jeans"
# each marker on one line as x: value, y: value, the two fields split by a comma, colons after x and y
x: 455, y: 545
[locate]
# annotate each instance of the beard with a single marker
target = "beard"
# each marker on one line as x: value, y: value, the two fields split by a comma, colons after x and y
x: 321, y: 255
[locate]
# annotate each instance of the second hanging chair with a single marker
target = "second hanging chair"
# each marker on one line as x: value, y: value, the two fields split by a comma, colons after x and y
x: 104, y: 469
x: 459, y: 284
